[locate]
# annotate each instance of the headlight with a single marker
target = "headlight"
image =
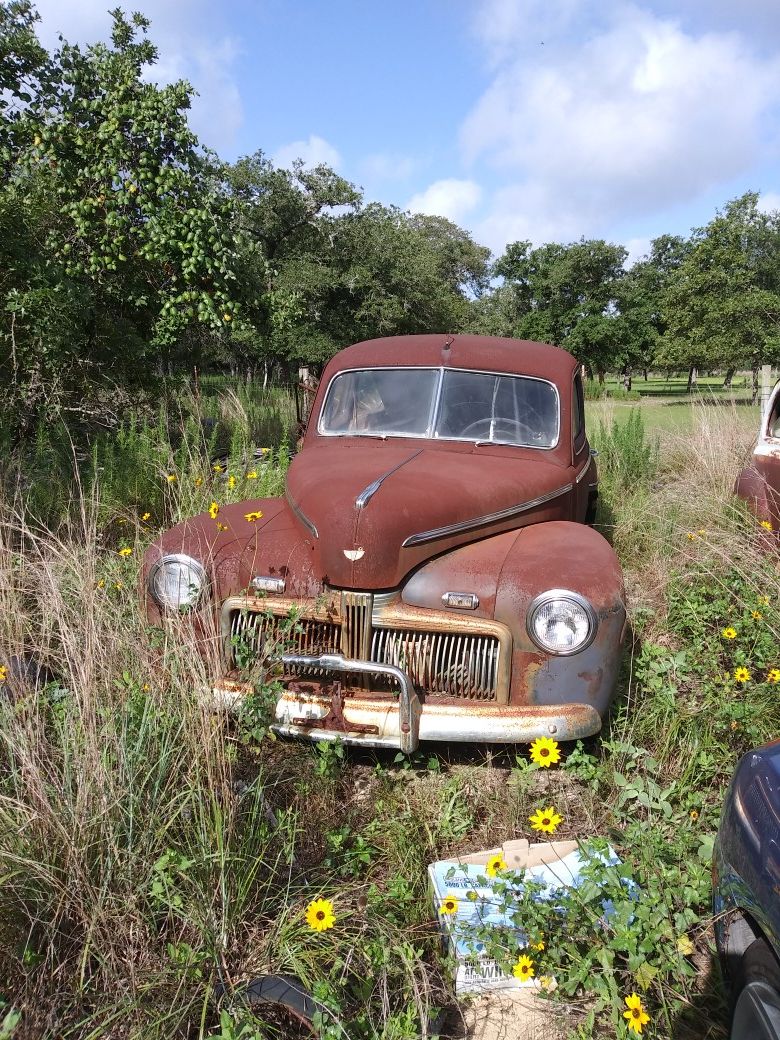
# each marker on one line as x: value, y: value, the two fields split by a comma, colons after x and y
x: 561, y: 622
x: 177, y: 581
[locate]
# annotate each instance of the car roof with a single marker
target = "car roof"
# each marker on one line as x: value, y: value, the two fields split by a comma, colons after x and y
x: 487, y: 353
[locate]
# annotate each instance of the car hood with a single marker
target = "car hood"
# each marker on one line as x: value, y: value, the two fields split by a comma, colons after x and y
x: 378, y: 509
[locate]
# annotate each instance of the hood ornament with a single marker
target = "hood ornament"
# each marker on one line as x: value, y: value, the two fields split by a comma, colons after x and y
x: 354, y: 554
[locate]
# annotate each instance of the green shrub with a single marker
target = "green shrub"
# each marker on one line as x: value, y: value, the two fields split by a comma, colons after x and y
x: 626, y: 458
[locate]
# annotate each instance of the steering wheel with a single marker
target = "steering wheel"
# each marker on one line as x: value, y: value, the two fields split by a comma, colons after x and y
x: 526, y: 433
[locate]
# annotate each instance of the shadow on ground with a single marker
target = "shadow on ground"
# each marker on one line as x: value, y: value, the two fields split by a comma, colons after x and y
x: 706, y: 1018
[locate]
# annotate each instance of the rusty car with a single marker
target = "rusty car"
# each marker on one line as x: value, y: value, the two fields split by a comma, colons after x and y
x: 759, y: 482
x: 430, y: 573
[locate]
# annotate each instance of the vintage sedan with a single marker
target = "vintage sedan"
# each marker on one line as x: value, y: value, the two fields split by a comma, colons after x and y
x: 430, y: 573
x: 759, y: 482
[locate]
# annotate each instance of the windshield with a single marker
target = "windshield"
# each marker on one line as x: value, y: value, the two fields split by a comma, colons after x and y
x: 447, y: 403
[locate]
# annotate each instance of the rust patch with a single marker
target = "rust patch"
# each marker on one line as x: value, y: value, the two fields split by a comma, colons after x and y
x: 594, y: 680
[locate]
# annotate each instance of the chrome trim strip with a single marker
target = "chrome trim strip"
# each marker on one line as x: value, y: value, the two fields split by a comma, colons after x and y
x: 368, y: 493
x: 307, y: 523
x: 480, y: 521
x: 582, y: 473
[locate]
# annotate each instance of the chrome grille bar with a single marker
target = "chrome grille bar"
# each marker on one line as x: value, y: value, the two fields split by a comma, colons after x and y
x: 356, y: 611
x: 457, y: 665
x: 268, y: 637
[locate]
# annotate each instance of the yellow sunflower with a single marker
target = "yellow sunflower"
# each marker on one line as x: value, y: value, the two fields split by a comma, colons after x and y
x: 524, y: 968
x: 217, y: 468
x: 495, y: 864
x: 3, y: 673
x: 764, y: 601
x: 319, y: 915
x: 729, y: 633
x: 636, y: 1014
x: 251, y: 475
x: 741, y: 675
x: 251, y: 517
x: 766, y: 525
x: 171, y: 478
x: 214, y: 510
x: 546, y: 820
x: 231, y: 482
x: 449, y: 905
x: 145, y: 517
x: 126, y: 551
x: 221, y: 526
x: 756, y: 615
x: 773, y: 675
x: 198, y: 481
x: 545, y: 751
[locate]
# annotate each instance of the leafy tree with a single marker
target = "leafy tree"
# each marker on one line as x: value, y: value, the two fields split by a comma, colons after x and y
x: 640, y: 300
x: 564, y: 294
x: 118, y: 235
x: 723, y: 305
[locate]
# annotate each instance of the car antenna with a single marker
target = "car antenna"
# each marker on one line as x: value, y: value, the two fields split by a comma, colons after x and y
x: 448, y: 342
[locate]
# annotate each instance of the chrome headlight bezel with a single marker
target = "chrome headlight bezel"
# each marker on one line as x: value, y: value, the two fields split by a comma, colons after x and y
x: 565, y: 595
x: 198, y: 570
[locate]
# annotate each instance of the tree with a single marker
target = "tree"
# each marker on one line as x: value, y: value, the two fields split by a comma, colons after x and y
x: 565, y: 294
x: 117, y: 235
x: 640, y: 300
x: 723, y: 305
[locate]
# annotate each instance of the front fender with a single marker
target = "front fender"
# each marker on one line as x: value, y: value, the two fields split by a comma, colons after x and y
x: 507, y: 572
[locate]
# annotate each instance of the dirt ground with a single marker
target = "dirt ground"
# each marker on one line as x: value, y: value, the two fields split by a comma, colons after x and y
x: 508, y: 1015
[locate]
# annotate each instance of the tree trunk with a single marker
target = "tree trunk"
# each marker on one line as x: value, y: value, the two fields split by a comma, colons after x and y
x: 755, y: 383
x: 691, y: 379
x: 601, y: 376
x: 729, y: 376
x: 644, y: 373
x: 627, y: 378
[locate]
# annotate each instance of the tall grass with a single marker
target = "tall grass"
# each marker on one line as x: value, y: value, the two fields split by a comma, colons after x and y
x: 148, y: 866
x: 153, y: 858
x: 184, y: 432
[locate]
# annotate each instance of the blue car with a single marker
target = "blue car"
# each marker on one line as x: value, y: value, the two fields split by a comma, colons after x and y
x: 746, y: 895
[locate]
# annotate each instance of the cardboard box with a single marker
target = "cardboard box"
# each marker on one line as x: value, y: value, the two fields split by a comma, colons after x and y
x: 555, y: 864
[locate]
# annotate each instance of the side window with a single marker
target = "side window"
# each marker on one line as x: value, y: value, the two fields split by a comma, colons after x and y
x: 578, y: 411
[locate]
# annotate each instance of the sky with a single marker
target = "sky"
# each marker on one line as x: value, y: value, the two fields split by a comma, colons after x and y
x: 546, y: 120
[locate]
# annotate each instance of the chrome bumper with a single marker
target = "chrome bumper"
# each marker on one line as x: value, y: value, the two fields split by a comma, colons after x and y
x: 403, y: 723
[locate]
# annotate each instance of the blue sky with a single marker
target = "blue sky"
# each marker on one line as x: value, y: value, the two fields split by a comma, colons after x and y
x: 539, y: 119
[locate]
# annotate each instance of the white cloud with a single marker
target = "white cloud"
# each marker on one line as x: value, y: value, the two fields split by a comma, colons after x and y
x: 189, y: 48
x: 450, y: 198
x: 769, y: 202
x: 608, y: 121
x: 313, y: 151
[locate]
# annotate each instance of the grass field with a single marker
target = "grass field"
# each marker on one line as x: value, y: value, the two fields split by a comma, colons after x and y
x: 154, y: 856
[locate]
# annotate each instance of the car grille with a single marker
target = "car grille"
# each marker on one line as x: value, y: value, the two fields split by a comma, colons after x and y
x: 452, y: 664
